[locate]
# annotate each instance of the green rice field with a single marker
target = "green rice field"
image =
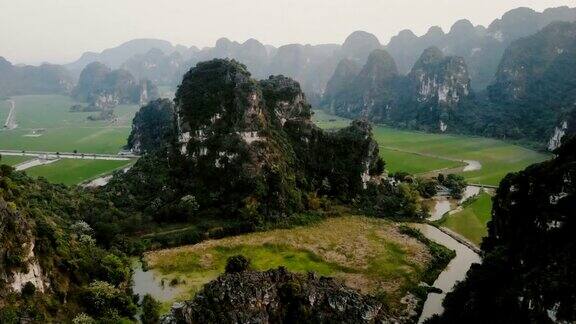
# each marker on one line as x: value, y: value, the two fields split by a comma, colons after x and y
x: 75, y: 171
x: 472, y: 221
x: 13, y: 160
x: 46, y: 124
x: 419, y: 152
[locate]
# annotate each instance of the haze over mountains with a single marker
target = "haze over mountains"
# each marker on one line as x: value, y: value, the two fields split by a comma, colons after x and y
x: 342, y: 79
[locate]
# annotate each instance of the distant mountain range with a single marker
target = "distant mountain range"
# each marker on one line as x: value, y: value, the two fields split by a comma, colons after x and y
x: 43, y: 79
x: 342, y: 78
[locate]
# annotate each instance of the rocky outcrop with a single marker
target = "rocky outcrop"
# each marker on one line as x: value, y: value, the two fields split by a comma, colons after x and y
x: 153, y: 127
x: 104, y: 88
x: 277, y: 296
x: 535, y: 84
x: 427, y: 98
x: 260, y: 137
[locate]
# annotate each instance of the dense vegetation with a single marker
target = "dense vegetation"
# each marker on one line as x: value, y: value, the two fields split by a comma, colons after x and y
x: 529, y: 252
x: 431, y: 97
x: 51, y: 266
x: 153, y: 127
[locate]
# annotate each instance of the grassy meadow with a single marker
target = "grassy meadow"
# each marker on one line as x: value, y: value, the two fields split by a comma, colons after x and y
x: 75, y: 171
x: 13, y: 160
x: 402, y: 150
x: 64, y: 131
x: 471, y: 222
x: 367, y: 254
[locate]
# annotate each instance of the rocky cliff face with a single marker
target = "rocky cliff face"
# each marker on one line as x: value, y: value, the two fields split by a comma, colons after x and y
x: 277, y: 296
x: 259, y: 137
x: 426, y: 98
x: 530, y: 259
x: 371, y: 92
x: 536, y: 85
x: 104, y: 88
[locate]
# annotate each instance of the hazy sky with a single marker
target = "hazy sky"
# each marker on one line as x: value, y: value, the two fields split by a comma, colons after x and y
x: 59, y: 31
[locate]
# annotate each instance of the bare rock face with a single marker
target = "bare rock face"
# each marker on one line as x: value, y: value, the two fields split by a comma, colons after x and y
x: 277, y: 296
x: 441, y: 80
x: 424, y: 99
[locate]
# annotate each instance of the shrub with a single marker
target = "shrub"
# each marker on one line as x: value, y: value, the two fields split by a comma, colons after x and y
x: 237, y: 263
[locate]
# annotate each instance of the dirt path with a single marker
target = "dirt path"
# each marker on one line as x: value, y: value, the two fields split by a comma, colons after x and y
x: 11, y: 120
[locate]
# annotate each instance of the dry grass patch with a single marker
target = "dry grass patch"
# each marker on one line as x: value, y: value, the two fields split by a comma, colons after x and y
x: 369, y: 254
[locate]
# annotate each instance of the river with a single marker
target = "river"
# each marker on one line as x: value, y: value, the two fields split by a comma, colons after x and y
x: 454, y: 272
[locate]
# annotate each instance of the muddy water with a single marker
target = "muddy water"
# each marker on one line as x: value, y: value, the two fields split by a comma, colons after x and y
x: 472, y: 165
x: 441, y: 207
x: 454, y: 272
x: 470, y: 192
x: 148, y: 282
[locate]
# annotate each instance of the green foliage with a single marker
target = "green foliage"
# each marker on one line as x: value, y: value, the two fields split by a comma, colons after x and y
x: 391, y: 201
x: 46, y: 214
x: 455, y: 183
x: 150, y: 310
x: 427, y: 187
x: 237, y: 263
x: 153, y: 127
x: 103, y: 300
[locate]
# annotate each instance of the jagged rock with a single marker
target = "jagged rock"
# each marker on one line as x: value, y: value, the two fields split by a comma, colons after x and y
x: 425, y: 99
x: 260, y: 137
x: 277, y: 296
x: 481, y: 47
x: 535, y: 87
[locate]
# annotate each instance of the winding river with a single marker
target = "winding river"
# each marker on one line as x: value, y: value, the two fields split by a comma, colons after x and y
x: 454, y: 272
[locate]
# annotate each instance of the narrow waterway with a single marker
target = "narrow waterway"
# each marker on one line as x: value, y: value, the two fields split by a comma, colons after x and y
x: 454, y: 272
x: 148, y: 282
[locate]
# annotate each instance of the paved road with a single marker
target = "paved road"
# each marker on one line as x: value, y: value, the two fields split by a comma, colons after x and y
x: 69, y: 155
x: 11, y: 120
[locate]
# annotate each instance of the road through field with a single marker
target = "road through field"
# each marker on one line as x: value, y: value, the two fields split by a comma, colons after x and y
x: 11, y: 119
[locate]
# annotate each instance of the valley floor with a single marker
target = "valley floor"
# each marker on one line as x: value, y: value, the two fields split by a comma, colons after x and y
x: 45, y: 123
x: 371, y: 255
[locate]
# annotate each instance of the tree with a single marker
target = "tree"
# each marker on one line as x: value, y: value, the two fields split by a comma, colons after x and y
x: 237, y: 263
x: 150, y: 310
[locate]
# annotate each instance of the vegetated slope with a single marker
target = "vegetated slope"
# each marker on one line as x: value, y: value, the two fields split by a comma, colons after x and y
x: 43, y: 79
x: 530, y: 256
x: 51, y: 269
x: 104, y: 88
x: 259, y: 135
x: 535, y: 86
